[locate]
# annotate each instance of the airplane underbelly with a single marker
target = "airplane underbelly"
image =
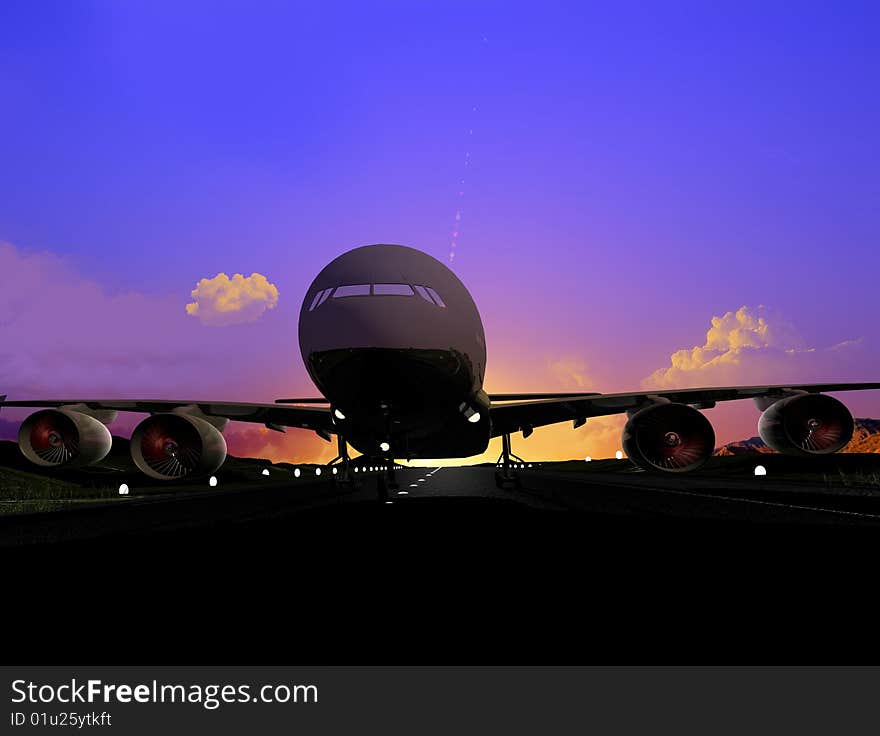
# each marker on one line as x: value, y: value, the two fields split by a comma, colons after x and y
x: 411, y: 398
x: 405, y: 381
x: 441, y: 433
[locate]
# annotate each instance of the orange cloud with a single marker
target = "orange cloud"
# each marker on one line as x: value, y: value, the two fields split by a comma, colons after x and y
x: 753, y: 346
x: 569, y: 373
x: 223, y: 301
x: 599, y: 438
x: 293, y: 446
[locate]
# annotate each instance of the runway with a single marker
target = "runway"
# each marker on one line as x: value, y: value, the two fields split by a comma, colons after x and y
x: 588, y: 498
x: 651, y: 496
x: 568, y: 569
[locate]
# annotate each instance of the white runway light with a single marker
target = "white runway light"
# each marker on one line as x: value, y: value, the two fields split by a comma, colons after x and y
x: 296, y: 473
x: 760, y: 470
x: 618, y: 455
x: 588, y: 459
x: 123, y: 489
x: 212, y: 481
x: 265, y: 471
x: 384, y: 446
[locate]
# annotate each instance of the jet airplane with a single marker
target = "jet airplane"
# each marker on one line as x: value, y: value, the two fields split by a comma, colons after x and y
x: 394, y: 343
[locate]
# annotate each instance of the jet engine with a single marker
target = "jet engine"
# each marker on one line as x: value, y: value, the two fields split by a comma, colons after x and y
x: 674, y: 438
x: 170, y: 446
x: 806, y: 424
x: 53, y: 437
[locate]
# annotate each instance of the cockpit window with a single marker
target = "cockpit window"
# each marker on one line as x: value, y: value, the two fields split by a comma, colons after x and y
x: 393, y: 289
x: 319, y: 299
x: 352, y: 290
x: 426, y: 292
x: 423, y: 292
x: 440, y: 302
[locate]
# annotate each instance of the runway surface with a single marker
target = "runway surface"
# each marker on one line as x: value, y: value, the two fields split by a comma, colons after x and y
x: 607, y: 569
x: 617, y: 497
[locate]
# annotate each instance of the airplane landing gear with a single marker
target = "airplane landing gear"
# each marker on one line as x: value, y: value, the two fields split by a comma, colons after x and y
x: 387, y: 481
x: 345, y: 478
x: 506, y: 477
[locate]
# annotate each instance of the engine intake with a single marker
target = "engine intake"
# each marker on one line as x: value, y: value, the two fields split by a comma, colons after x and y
x: 54, y: 437
x: 170, y: 446
x: 806, y: 424
x: 674, y: 438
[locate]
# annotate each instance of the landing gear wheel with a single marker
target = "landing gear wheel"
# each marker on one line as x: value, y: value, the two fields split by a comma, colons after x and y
x: 510, y: 482
x: 382, y: 488
x: 507, y: 478
x: 346, y: 484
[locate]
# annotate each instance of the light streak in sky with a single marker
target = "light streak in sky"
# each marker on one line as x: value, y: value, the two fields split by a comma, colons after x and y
x: 456, y: 227
x: 459, y: 210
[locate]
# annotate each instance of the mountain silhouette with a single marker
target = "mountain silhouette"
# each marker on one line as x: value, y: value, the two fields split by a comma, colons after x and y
x: 866, y: 438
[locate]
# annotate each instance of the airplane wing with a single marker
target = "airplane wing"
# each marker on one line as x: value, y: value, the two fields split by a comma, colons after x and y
x: 274, y: 416
x: 534, y: 397
x: 537, y: 410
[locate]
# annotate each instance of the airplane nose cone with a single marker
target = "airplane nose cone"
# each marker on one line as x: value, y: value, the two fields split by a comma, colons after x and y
x: 389, y: 296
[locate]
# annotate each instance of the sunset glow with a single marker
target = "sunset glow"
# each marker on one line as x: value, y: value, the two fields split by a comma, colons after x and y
x: 630, y: 209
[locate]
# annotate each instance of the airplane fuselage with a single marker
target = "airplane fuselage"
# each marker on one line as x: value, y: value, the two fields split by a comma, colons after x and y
x: 394, y: 341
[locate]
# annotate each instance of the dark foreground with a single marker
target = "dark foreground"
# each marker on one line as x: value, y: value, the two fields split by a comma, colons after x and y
x: 628, y: 573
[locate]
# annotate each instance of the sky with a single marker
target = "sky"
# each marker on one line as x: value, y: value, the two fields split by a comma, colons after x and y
x: 644, y: 195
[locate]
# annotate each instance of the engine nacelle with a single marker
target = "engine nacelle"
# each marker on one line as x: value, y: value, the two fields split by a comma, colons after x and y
x: 674, y: 438
x: 54, y: 437
x: 171, y: 446
x: 806, y: 424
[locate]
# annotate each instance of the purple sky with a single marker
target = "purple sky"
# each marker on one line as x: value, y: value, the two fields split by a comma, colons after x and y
x: 628, y: 176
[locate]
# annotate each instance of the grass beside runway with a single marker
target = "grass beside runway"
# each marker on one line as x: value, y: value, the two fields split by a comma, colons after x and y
x: 25, y: 488
x: 847, y: 472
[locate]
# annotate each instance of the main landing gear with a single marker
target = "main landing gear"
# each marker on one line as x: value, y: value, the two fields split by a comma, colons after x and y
x: 507, y: 477
x: 387, y: 481
x: 345, y: 478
